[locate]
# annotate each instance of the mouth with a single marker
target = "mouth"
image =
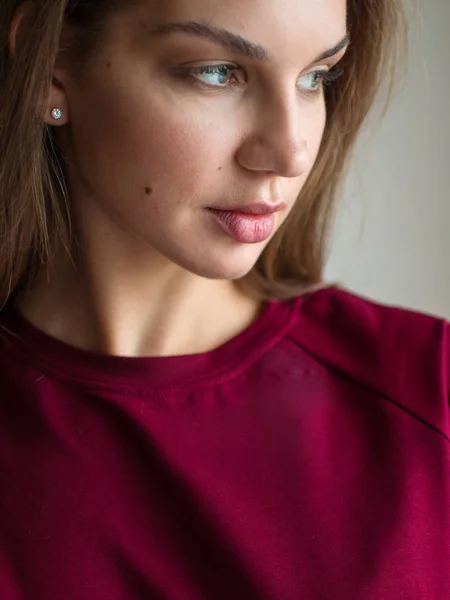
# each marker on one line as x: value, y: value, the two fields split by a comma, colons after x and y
x: 249, y: 224
x: 255, y: 208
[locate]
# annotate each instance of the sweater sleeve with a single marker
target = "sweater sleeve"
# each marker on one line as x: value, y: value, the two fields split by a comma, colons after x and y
x: 446, y: 369
x: 401, y: 355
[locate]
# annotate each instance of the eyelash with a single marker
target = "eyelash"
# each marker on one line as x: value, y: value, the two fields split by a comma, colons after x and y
x: 325, y: 77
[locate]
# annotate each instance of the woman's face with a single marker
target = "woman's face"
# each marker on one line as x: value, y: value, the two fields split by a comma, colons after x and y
x: 199, y: 105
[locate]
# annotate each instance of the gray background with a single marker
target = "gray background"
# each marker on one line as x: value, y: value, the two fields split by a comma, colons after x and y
x: 392, y: 236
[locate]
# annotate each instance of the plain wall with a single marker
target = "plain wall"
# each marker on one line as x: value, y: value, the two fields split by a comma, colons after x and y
x: 392, y: 236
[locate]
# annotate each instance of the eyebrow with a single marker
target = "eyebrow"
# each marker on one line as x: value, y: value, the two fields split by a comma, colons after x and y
x: 234, y: 42
x: 333, y: 51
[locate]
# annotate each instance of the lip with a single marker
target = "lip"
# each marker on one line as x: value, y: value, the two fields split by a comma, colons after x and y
x: 255, y: 208
x: 245, y: 228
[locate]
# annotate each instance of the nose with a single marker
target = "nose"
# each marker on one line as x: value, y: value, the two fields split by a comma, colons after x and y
x: 275, y: 144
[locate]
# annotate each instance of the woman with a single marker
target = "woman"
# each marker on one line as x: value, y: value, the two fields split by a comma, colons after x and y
x: 187, y: 411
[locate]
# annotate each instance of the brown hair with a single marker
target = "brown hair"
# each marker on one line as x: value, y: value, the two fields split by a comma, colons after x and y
x: 33, y: 195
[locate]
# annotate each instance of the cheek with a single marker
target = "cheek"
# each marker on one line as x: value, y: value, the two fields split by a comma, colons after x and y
x: 134, y: 149
x: 174, y: 146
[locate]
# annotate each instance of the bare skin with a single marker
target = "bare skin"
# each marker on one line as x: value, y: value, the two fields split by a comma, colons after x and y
x: 151, y: 144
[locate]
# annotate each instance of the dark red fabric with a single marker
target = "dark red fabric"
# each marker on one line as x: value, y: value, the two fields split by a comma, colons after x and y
x: 306, y: 459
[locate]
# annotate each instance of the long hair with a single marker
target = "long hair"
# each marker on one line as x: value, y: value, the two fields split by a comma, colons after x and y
x: 34, y: 205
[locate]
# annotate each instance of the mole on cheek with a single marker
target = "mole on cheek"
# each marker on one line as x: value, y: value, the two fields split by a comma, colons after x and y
x: 108, y: 65
x: 148, y: 191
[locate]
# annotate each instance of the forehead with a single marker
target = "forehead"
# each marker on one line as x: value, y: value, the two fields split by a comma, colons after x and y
x: 283, y: 27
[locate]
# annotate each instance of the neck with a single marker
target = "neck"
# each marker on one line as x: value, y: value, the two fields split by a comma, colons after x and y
x: 136, y: 307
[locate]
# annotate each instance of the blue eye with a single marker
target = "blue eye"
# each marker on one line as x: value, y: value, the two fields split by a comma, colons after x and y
x: 215, y: 75
x: 312, y: 81
x: 225, y: 76
x: 315, y: 80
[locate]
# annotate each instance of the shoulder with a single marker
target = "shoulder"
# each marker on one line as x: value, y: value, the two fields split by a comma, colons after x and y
x: 399, y: 354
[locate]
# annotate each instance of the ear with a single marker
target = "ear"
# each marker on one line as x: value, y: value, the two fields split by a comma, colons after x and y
x: 57, y: 106
x: 16, y: 27
x: 20, y: 26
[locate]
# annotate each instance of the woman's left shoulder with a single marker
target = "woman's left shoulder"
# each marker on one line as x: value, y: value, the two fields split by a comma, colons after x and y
x: 401, y: 354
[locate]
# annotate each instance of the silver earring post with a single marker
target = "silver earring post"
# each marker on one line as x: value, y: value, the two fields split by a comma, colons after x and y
x: 57, y: 114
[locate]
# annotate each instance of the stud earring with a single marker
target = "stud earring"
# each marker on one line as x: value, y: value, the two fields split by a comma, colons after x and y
x: 57, y: 114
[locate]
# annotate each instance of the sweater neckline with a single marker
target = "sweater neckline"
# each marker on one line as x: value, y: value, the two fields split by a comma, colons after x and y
x: 58, y: 359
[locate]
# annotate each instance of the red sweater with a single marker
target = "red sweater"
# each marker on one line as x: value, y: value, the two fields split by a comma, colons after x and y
x: 307, y: 459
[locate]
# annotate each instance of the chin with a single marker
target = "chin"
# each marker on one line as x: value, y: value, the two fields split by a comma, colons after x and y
x: 229, y: 266
x: 228, y: 272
